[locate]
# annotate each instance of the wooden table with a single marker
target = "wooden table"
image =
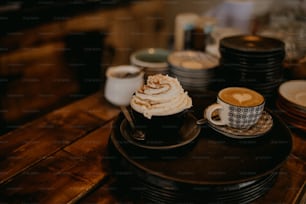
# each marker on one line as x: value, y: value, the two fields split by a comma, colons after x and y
x: 58, y: 159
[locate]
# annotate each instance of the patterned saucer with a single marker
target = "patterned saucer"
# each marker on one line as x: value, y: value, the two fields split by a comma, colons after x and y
x: 263, y: 125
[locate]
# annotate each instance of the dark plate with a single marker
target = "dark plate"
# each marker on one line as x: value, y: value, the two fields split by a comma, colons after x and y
x: 216, y: 169
x: 204, y: 195
x: 251, y: 82
x: 293, y: 123
x: 159, y: 190
x: 292, y: 110
x: 252, y: 43
x: 290, y: 117
x: 260, y: 67
x: 252, y: 55
x: 213, y: 159
x: 249, y: 72
x: 184, y: 136
x: 251, y: 76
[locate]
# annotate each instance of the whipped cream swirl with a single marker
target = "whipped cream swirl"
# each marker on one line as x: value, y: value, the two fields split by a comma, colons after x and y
x: 161, y: 95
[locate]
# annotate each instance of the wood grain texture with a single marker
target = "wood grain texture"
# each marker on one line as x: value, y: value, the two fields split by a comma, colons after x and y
x: 77, y: 169
x: 95, y: 105
x: 29, y: 144
x: 299, y: 144
x: 290, y: 179
x: 29, y: 88
x: 41, y: 139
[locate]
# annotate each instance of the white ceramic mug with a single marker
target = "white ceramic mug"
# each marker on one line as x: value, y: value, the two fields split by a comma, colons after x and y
x: 121, y: 83
x: 237, y: 107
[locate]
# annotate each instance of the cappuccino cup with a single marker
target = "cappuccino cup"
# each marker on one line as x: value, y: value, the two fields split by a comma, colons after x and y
x: 237, y: 107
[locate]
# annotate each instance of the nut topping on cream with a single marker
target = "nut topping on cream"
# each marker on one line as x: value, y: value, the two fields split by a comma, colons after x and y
x: 161, y: 95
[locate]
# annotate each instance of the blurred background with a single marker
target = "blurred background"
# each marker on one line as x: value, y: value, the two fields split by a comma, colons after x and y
x: 54, y: 52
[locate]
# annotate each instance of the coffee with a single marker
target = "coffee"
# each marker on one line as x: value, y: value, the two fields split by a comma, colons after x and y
x: 159, y: 108
x: 240, y: 96
x: 237, y: 107
x: 123, y: 75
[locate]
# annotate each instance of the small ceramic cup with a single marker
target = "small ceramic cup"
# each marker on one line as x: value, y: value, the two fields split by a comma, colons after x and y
x: 152, y: 60
x: 237, y: 107
x: 121, y: 83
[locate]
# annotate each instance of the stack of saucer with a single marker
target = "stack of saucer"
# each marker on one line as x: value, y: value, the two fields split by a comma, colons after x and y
x: 152, y: 60
x: 195, y: 70
x: 252, y: 61
x: 292, y: 103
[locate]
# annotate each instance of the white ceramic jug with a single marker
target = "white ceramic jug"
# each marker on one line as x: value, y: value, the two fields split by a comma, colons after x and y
x: 121, y: 83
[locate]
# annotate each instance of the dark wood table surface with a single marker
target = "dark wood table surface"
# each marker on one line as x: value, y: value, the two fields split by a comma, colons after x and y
x: 58, y: 158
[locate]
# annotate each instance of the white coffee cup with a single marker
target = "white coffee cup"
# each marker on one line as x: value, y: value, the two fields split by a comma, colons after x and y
x: 121, y: 83
x: 237, y: 107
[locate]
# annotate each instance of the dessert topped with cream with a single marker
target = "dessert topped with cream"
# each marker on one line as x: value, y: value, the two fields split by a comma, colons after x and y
x: 162, y: 95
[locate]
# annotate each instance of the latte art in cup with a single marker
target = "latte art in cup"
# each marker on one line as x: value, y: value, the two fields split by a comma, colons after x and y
x: 240, y: 96
x: 162, y: 95
x: 237, y: 107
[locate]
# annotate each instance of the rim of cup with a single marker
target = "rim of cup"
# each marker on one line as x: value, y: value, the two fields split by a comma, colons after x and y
x: 123, y: 68
x: 249, y: 106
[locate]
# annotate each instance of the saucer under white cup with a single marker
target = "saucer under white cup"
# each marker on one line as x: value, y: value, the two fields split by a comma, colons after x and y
x: 263, y: 126
x: 119, y: 89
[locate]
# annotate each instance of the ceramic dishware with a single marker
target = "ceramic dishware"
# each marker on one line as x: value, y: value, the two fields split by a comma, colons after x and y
x: 151, y: 60
x: 121, y: 82
x: 237, y: 107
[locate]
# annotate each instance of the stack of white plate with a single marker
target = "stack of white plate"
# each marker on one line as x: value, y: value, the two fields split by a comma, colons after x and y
x: 195, y: 70
x: 292, y: 103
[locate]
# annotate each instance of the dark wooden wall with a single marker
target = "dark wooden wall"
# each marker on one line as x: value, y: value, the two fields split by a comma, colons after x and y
x: 56, y: 62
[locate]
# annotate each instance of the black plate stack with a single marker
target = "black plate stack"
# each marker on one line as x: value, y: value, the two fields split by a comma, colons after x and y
x: 214, y: 169
x: 252, y: 61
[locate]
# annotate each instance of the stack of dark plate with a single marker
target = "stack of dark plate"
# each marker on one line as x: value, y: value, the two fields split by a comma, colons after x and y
x: 252, y: 61
x: 194, y: 69
x: 292, y: 103
x: 211, y: 169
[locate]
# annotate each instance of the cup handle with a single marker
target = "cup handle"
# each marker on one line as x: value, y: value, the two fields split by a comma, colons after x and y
x: 209, y: 112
